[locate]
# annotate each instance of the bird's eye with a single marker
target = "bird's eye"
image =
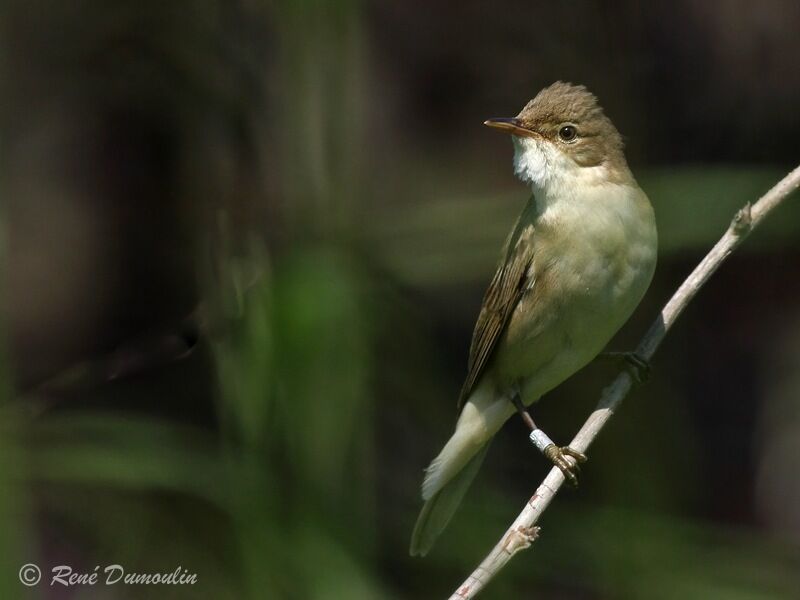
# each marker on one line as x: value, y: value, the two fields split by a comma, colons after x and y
x: 567, y: 133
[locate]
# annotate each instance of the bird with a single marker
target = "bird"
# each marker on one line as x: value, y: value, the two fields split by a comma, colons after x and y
x: 573, y: 269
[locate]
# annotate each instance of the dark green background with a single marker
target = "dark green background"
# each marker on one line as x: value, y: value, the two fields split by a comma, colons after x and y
x: 244, y: 245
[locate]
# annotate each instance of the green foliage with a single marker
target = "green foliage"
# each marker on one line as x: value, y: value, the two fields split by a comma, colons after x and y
x: 335, y: 355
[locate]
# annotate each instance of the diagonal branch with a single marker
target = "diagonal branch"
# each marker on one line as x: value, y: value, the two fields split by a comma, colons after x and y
x: 523, y: 530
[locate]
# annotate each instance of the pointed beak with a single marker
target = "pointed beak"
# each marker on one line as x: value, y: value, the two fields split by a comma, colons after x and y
x: 511, y: 125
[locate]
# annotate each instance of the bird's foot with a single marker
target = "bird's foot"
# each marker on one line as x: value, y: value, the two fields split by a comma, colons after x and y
x: 560, y: 457
x: 637, y: 365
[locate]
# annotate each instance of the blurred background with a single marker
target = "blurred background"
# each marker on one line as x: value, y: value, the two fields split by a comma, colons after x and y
x: 244, y: 244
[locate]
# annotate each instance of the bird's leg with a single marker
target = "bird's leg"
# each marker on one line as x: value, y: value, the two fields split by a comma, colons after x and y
x: 526, y: 416
x: 638, y: 366
x: 559, y: 456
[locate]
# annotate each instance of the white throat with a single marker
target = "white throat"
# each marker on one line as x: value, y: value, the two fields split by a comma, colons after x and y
x: 551, y: 172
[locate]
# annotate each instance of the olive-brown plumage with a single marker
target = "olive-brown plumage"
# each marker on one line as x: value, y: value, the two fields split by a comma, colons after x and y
x: 574, y: 267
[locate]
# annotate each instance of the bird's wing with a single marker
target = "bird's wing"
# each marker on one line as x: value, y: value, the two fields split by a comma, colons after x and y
x: 499, y: 302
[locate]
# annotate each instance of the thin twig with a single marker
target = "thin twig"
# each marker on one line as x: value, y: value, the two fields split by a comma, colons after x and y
x: 523, y: 530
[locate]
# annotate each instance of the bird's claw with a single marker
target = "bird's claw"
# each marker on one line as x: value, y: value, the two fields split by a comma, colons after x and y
x: 560, y: 456
x: 639, y: 366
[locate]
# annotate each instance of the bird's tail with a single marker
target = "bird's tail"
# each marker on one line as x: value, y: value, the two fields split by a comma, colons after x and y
x: 442, y: 504
x: 449, y: 475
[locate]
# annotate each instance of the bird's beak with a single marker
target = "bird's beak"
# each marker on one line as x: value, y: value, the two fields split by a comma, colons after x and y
x: 512, y: 125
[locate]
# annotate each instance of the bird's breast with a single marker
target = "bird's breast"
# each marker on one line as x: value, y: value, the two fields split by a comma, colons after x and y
x: 592, y: 265
x: 601, y: 261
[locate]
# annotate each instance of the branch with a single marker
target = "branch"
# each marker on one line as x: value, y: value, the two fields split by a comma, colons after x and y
x: 523, y: 530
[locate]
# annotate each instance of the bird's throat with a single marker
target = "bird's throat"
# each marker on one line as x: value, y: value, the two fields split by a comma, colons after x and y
x: 554, y: 175
x: 532, y: 159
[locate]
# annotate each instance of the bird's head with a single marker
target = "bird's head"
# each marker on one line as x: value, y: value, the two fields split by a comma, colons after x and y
x: 563, y: 133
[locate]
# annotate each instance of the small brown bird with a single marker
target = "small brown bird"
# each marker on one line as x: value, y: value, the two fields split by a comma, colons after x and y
x: 575, y: 266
